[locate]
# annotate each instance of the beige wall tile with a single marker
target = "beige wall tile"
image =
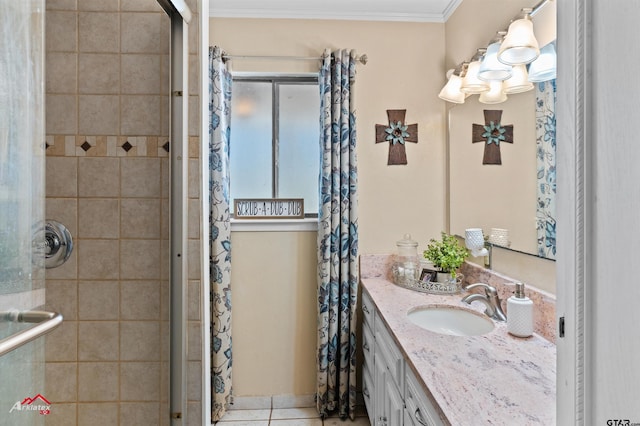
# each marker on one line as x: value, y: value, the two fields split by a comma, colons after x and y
x: 141, y: 74
x: 99, y: 32
x: 194, y: 218
x: 194, y: 40
x: 60, y: 381
x: 139, y: 413
x: 61, y: 5
x: 193, y: 259
x: 62, y: 343
x: 65, y: 211
x: 165, y: 74
x: 98, y: 340
x: 140, y: 381
x: 139, y: 6
x: 62, y: 415
x: 98, y: 5
x: 61, y: 33
x: 98, y: 259
x: 140, y: 115
x: 68, y: 270
x: 98, y: 414
x: 140, y: 32
x: 164, y: 115
x: 98, y: 300
x: 164, y: 254
x: 140, y: 341
x: 193, y: 301
x: 140, y: 177
x: 98, y: 218
x: 164, y: 183
x: 194, y: 115
x: 194, y: 381
x: 165, y: 299
x: 62, y: 72
x: 62, y: 177
x: 194, y: 74
x: 62, y: 297
x: 140, y: 218
x: 165, y: 219
x: 61, y: 114
x: 99, y: 114
x: 98, y: 381
x: 194, y: 178
x: 140, y: 259
x: 140, y: 300
x: 194, y: 415
x: 99, y: 73
x: 194, y: 341
x: 98, y: 177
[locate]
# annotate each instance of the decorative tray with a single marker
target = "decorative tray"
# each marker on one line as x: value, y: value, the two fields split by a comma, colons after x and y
x: 454, y: 286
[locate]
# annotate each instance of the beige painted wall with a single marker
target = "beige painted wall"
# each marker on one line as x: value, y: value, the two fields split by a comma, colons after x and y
x: 274, y: 274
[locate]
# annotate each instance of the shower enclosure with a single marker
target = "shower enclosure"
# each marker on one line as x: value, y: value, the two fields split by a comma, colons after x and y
x: 21, y: 207
x: 23, y: 399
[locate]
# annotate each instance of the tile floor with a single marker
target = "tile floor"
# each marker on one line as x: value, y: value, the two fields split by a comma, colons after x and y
x: 288, y: 417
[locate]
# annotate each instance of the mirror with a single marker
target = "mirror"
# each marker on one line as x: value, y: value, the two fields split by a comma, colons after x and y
x: 517, y: 191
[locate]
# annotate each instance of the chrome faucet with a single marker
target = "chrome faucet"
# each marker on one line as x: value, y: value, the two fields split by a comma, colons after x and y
x: 490, y: 299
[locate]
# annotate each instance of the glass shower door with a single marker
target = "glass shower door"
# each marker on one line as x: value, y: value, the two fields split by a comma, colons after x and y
x: 22, y: 394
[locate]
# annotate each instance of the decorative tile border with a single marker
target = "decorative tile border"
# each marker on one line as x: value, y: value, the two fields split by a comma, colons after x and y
x: 107, y: 146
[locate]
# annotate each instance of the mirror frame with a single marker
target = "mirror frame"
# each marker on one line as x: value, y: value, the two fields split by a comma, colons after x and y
x: 572, y: 208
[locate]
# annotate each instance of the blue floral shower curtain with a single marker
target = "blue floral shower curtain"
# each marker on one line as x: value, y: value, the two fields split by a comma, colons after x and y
x: 220, y: 232
x: 338, y: 274
x: 546, y: 160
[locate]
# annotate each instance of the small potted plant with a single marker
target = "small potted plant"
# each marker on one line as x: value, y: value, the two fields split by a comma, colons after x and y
x: 447, y: 255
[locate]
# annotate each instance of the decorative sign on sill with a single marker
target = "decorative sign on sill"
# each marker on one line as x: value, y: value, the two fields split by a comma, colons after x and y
x: 269, y: 208
x: 397, y: 132
x: 492, y: 133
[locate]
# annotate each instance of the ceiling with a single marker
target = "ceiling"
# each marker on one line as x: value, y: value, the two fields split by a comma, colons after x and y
x: 360, y: 10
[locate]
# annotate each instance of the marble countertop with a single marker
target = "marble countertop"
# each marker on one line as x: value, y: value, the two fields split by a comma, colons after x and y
x: 495, y: 378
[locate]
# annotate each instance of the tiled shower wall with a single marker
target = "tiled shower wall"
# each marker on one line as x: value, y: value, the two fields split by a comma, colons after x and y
x: 108, y: 182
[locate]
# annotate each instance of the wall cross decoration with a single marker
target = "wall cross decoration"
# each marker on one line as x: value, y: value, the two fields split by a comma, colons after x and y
x: 397, y: 133
x: 492, y: 133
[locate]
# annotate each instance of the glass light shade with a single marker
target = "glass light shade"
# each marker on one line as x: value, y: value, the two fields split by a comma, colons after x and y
x: 518, y: 82
x: 495, y: 95
x: 451, y: 91
x: 520, y: 45
x: 471, y: 84
x: 543, y: 68
x: 491, y: 68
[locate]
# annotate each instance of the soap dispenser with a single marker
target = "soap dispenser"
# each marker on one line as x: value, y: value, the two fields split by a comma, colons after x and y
x: 520, y: 313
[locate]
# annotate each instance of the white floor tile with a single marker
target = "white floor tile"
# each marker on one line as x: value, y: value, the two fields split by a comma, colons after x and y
x: 244, y: 423
x: 293, y: 401
x: 296, y: 422
x: 244, y: 415
x: 294, y: 413
x: 359, y: 421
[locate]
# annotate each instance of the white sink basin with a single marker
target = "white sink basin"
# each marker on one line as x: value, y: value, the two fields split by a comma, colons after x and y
x: 450, y: 320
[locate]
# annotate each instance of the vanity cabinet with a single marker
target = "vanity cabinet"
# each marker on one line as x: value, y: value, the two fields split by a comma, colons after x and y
x: 392, y: 393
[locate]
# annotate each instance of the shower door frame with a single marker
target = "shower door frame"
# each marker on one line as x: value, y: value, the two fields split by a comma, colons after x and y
x: 180, y: 16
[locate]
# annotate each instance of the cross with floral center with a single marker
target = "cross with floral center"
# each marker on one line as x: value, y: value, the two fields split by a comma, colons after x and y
x: 397, y: 133
x: 492, y: 133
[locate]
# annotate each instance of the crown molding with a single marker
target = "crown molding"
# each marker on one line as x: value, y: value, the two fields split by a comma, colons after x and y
x: 408, y: 11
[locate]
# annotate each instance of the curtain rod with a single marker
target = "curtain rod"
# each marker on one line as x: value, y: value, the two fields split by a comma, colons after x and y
x: 360, y: 58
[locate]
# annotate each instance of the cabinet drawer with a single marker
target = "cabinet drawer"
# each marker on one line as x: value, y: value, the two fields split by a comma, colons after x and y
x: 368, y: 343
x: 419, y: 411
x: 390, y: 354
x: 368, y: 309
x: 368, y: 391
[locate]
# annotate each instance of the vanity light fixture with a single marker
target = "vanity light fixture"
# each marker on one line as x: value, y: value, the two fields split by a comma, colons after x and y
x: 451, y: 91
x: 495, y: 95
x: 491, y: 68
x: 520, y: 45
x: 519, y: 82
x: 544, y: 68
x: 471, y: 84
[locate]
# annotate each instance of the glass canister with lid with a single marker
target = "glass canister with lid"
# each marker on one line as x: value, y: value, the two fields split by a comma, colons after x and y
x: 406, y: 268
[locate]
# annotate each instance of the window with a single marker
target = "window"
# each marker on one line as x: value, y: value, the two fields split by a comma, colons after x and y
x: 274, y: 149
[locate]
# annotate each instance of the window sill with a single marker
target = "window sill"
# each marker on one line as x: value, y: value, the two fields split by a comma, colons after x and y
x: 274, y: 225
